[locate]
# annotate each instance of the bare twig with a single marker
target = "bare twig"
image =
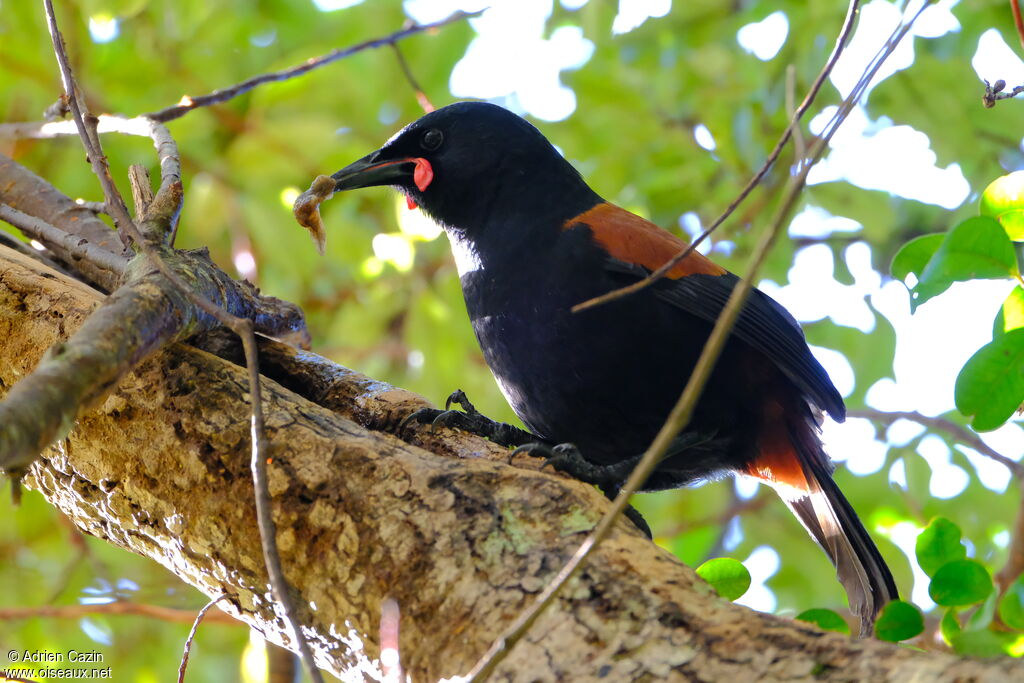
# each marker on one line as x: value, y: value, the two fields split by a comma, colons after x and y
x: 995, y: 92
x: 958, y: 432
x: 57, y: 110
x: 683, y: 410
x: 167, y: 151
x: 192, y: 635
x: 77, y: 247
x: 118, y: 607
x: 95, y: 207
x: 242, y: 327
x: 1017, y: 21
x: 142, y: 192
x: 116, y: 208
x: 187, y: 103
x: 1014, y: 566
x: 799, y: 148
x: 11, y: 242
x: 844, y: 35
x: 421, y: 96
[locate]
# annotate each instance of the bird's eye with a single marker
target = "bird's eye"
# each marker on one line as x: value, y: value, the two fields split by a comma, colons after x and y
x: 432, y: 139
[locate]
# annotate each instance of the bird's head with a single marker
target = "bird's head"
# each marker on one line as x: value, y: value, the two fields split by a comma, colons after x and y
x: 469, y: 164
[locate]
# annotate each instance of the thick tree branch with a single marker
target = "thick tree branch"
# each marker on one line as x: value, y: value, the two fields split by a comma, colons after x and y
x: 140, y: 317
x: 160, y: 467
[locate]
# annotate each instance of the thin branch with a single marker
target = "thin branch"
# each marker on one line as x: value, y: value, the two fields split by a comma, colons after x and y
x: 95, y: 207
x: 264, y: 518
x: 737, y: 507
x: 11, y: 242
x: 1015, y: 552
x: 941, y: 424
x: 242, y: 327
x: 799, y: 146
x: 841, y: 41
x: 57, y: 110
x: 167, y: 150
x: 187, y: 103
x: 31, y: 194
x: 142, y: 191
x: 116, y: 208
x: 192, y: 635
x: 118, y: 607
x: 683, y: 410
x: 997, y: 91
x: 75, y: 246
x: 1017, y: 21
x: 421, y: 96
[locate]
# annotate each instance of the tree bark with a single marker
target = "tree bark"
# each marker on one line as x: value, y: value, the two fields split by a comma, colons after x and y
x: 461, y: 539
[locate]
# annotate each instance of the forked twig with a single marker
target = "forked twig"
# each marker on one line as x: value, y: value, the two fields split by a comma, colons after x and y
x: 192, y: 635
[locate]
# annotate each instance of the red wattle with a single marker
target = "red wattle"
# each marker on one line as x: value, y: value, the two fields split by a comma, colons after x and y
x: 410, y: 202
x: 424, y: 174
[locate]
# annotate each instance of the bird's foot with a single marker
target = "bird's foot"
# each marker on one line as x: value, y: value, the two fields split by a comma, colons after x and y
x: 469, y: 419
x: 565, y: 457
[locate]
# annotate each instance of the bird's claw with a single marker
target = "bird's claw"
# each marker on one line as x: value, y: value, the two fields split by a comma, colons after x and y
x: 469, y: 419
x: 567, y: 458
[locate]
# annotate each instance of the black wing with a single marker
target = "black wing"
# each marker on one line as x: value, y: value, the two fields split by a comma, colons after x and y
x: 763, y: 324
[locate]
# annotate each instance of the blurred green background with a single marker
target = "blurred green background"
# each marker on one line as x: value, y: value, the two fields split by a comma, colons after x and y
x: 667, y: 109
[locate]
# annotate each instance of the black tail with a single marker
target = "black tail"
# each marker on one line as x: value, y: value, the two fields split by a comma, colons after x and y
x: 831, y: 521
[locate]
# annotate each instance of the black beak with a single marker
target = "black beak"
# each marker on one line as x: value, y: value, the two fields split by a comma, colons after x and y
x: 370, y: 172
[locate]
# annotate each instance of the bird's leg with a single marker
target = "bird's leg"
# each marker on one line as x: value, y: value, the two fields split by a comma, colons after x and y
x: 631, y: 513
x: 469, y: 419
x: 565, y: 457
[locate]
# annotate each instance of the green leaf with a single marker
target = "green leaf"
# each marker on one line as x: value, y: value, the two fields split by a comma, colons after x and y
x: 990, y: 386
x: 1004, y: 201
x: 938, y: 544
x: 727, y: 576
x: 982, y: 617
x: 950, y: 626
x: 825, y: 619
x: 914, y: 256
x: 960, y: 582
x: 978, y: 248
x: 1011, y: 607
x: 1011, y: 313
x: 984, y: 643
x: 898, y: 621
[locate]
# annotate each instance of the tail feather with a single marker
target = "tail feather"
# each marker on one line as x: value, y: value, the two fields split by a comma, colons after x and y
x: 831, y: 521
x: 793, y: 462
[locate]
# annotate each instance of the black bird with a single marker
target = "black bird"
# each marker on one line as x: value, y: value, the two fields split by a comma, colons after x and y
x: 531, y: 240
